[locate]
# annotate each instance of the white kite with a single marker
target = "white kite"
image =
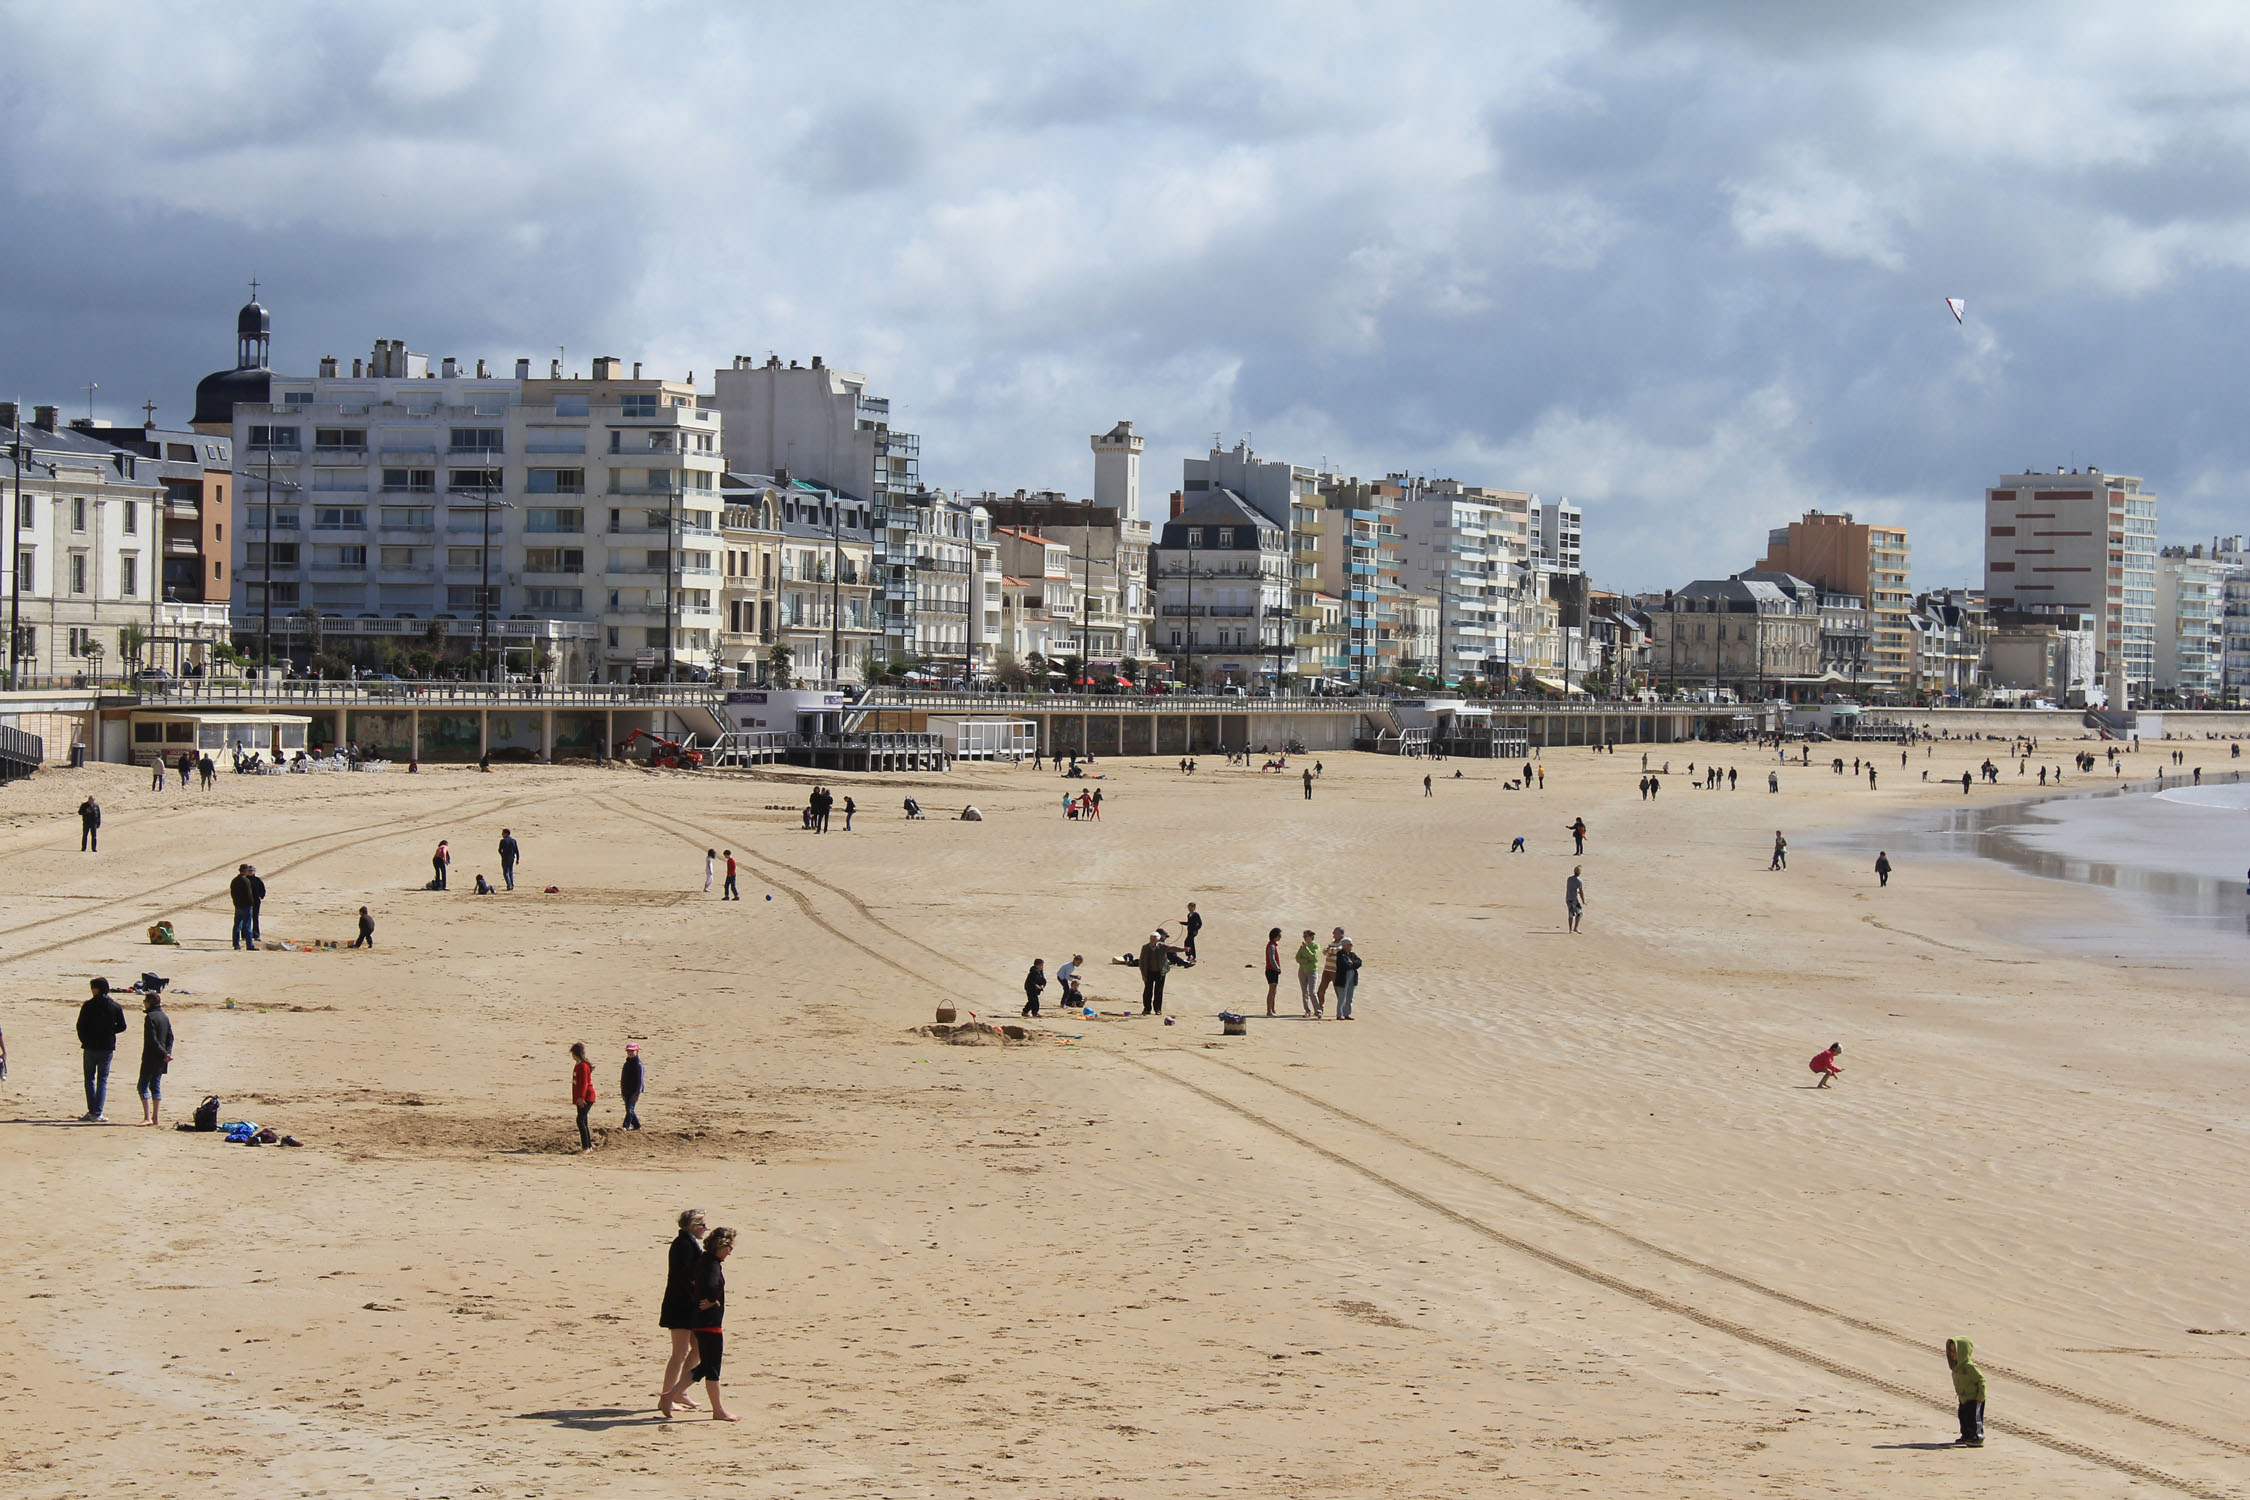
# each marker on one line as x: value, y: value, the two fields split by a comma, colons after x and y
x: 1957, y: 307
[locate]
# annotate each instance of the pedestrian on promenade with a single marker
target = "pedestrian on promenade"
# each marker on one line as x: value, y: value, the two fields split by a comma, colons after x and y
x: 730, y: 892
x: 582, y: 1092
x: 1968, y: 1390
x: 100, y: 1019
x: 631, y: 1080
x: 1780, y: 852
x: 1034, y: 985
x: 1574, y: 895
x: 676, y: 1314
x: 1308, y: 972
x: 90, y: 821
x: 1882, y: 867
x: 510, y: 852
x: 1347, y: 979
x: 156, y: 1056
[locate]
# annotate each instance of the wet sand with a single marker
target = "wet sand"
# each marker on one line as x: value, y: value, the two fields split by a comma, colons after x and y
x: 1558, y: 1211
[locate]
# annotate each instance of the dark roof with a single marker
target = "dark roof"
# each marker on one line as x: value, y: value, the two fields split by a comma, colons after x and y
x: 253, y: 321
x: 1219, y: 507
x: 218, y: 394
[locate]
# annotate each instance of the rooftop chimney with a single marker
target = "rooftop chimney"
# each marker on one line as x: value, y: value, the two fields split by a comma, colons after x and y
x: 328, y: 366
x: 608, y: 367
x: 816, y: 362
x: 636, y: 369
x: 450, y: 367
x: 523, y: 369
x: 9, y: 414
x: 482, y: 373
x: 355, y: 369
x: 43, y: 417
x: 554, y: 369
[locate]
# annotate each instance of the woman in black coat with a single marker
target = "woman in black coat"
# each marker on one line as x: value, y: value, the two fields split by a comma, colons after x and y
x: 679, y: 1299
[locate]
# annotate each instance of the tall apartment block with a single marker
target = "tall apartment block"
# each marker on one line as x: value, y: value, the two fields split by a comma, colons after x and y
x: 2084, y: 543
x: 1288, y: 495
x: 1837, y: 553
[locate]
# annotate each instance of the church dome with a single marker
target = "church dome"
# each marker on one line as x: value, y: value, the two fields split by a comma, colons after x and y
x: 253, y: 322
x: 217, y: 395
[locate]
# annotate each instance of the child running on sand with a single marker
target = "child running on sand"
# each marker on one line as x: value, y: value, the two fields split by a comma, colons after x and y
x: 1826, y: 1066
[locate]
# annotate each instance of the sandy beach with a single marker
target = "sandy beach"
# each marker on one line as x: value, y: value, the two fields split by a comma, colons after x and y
x: 1562, y: 1211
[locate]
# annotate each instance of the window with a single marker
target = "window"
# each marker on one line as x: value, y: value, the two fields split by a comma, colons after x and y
x: 475, y: 440
x: 472, y: 597
x: 274, y: 439
x: 129, y: 573
x: 698, y: 480
x: 555, y: 560
x: 695, y: 598
x: 339, y: 517
x: 408, y: 518
x: 132, y: 519
x: 77, y: 513
x: 347, y: 559
x: 24, y: 571
x: 284, y: 554
x: 464, y: 557
x: 1195, y: 536
x: 572, y: 406
x: 297, y: 398
x: 557, y: 482
x: 467, y: 480
x: 25, y: 504
x: 339, y: 437
x: 404, y: 557
x: 78, y: 572
x: 654, y: 636
x: 279, y: 595
x: 553, y: 518
x: 613, y: 634
x: 418, y: 480
x: 637, y: 404
x: 82, y: 641
x: 568, y: 600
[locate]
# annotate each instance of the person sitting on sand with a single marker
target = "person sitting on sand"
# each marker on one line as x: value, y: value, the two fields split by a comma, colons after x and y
x: 971, y: 815
x: 1826, y: 1066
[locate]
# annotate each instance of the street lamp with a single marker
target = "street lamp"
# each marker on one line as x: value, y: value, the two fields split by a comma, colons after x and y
x: 265, y: 628
x: 487, y: 506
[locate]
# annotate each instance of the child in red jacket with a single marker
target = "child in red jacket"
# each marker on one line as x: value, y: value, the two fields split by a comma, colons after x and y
x: 1826, y: 1066
x: 582, y: 1092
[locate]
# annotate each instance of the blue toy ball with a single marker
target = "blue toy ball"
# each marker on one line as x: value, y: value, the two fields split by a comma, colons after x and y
x: 769, y: 895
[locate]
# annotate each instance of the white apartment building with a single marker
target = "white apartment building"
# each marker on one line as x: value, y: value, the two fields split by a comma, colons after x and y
x: 2191, y: 640
x: 2080, y: 543
x: 1222, y: 574
x: 570, y: 522
x: 1288, y: 495
x: 814, y: 422
x: 1558, y: 537
x: 1466, y: 547
x: 85, y: 574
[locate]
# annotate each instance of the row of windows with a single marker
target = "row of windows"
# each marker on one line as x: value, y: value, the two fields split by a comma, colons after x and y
x: 80, y: 568
x: 27, y: 513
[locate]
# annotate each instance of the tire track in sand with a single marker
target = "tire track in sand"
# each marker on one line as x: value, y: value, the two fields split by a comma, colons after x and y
x: 1582, y: 1270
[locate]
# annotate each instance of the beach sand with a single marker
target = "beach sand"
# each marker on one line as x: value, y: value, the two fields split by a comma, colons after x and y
x: 1558, y: 1211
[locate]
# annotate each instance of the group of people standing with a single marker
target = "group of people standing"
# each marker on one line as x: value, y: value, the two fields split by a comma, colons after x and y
x: 820, y: 804
x: 101, y: 1020
x: 189, y: 765
x: 1320, y: 970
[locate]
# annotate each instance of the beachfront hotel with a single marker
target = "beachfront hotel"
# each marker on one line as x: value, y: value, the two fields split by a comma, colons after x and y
x: 2080, y: 544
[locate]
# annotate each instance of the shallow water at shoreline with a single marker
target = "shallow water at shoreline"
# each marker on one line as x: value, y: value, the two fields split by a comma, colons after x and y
x: 2177, y: 860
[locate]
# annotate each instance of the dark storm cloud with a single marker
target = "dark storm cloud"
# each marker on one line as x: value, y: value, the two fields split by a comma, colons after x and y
x: 1682, y: 263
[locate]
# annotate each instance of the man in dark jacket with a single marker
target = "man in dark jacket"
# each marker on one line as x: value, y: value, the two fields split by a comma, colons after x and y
x: 631, y: 1080
x: 156, y: 1055
x: 1156, y: 962
x: 510, y: 852
x: 89, y: 826
x: 247, y: 892
x: 100, y: 1019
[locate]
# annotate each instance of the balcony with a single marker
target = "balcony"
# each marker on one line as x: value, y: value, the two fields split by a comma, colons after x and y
x: 620, y: 487
x: 340, y: 455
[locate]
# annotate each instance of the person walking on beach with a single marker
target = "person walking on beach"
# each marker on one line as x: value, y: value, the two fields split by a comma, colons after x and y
x: 850, y: 807
x: 90, y: 823
x: 1968, y: 1390
x: 1773, y: 781
x: 1347, y: 979
x: 1308, y: 972
x: 676, y: 1315
x: 1964, y: 783
x: 1426, y: 787
x: 1780, y: 852
x: 731, y: 892
x: 1034, y: 985
x: 1273, y: 968
x: 1308, y: 786
x: 1194, y: 925
x: 246, y: 891
x: 366, y: 938
x: 1574, y: 895
x: 1825, y: 1064
x: 1871, y: 776
x: 1155, y: 963
x: 708, y: 1293
x: 156, y: 779
x: 1334, y: 946
x: 631, y: 1080
x: 439, y: 862
x: 510, y: 852
x: 1882, y: 867
x: 156, y: 1056
x: 582, y: 1092
x: 710, y: 869
x: 1578, y: 835
x: 100, y: 1019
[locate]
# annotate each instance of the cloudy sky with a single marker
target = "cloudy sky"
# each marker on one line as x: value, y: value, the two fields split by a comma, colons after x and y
x: 1682, y: 263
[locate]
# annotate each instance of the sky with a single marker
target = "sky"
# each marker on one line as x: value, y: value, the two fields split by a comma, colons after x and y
x: 1682, y: 263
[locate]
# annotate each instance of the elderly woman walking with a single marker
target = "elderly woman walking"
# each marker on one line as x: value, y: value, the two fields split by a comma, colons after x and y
x: 678, y: 1311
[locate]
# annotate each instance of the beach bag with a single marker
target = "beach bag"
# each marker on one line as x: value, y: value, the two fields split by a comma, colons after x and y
x: 207, y: 1113
x: 240, y: 1131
